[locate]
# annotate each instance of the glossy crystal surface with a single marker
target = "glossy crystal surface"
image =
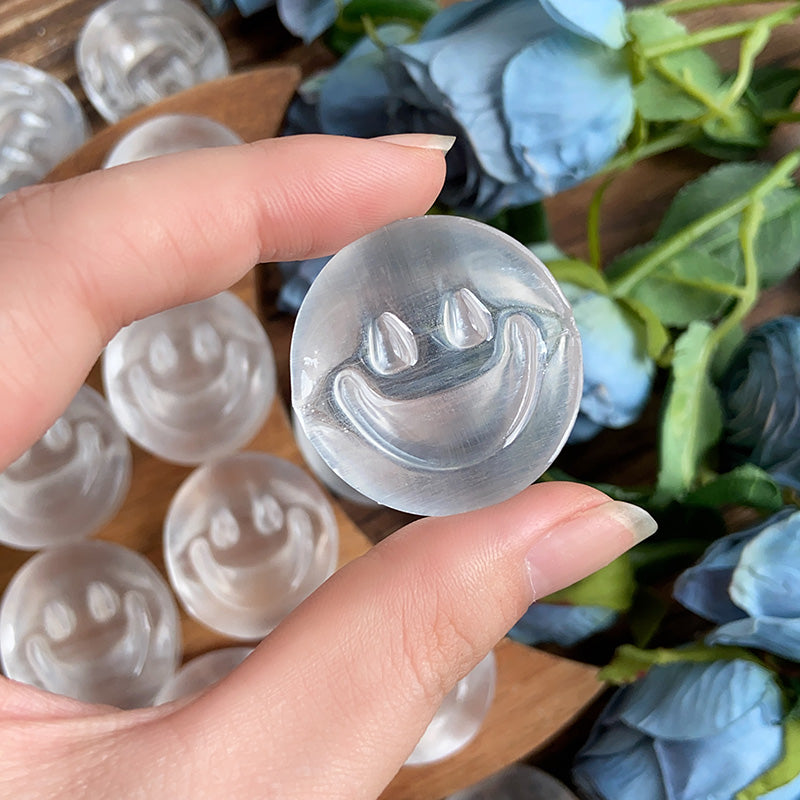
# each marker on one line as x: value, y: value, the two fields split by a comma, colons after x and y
x: 41, y: 123
x: 435, y: 366
x: 460, y: 715
x: 169, y: 133
x: 202, y: 672
x: 90, y: 620
x: 133, y: 53
x: 246, y: 539
x: 71, y: 482
x: 192, y: 383
x: 517, y: 782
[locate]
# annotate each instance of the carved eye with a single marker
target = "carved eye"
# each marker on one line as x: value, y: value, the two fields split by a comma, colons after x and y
x: 102, y: 601
x: 162, y: 354
x: 391, y: 346
x: 267, y: 514
x: 206, y: 344
x: 223, y: 529
x: 59, y: 620
x: 466, y: 320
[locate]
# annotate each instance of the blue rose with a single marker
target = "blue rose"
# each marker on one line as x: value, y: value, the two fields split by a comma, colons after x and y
x: 561, y: 624
x: 760, y: 393
x: 686, y: 732
x: 617, y: 372
x: 536, y: 91
x: 749, y: 584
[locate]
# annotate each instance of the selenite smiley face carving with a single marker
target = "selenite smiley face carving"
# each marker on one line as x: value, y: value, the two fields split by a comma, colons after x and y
x: 436, y: 366
x: 192, y: 383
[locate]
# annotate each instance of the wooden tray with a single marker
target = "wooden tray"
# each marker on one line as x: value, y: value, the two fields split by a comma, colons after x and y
x: 537, y: 693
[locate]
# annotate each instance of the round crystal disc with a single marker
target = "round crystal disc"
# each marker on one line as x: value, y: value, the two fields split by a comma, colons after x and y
x: 202, y: 672
x: 436, y: 366
x: 517, y: 782
x: 460, y: 715
x: 192, y: 383
x: 93, y: 621
x: 133, y: 53
x: 246, y: 539
x: 41, y: 123
x: 170, y: 133
x: 71, y: 482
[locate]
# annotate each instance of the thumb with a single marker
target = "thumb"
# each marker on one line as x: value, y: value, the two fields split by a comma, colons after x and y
x: 334, y: 700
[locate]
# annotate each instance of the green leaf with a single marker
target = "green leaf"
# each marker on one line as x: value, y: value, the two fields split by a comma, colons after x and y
x: 774, y: 88
x: 739, y: 126
x: 692, y: 285
x: 747, y: 485
x: 786, y: 770
x: 525, y: 224
x: 630, y: 663
x: 611, y: 587
x: 672, y: 87
x: 725, y: 350
x: 778, y: 240
x: 357, y: 16
x: 655, y: 335
x: 692, y: 418
x: 578, y: 273
x: 646, y: 615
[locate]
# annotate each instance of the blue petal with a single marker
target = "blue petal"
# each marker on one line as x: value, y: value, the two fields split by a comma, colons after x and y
x: 600, y: 20
x: 564, y: 625
x: 775, y: 635
x: 353, y: 100
x: 692, y: 701
x: 309, y: 18
x: 248, y: 7
x: 717, y: 767
x: 628, y: 775
x: 565, y: 134
x: 703, y: 588
x: 583, y: 430
x: 451, y: 19
x: 766, y: 581
x: 617, y: 372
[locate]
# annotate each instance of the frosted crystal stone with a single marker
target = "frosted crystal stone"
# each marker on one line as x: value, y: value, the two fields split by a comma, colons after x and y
x: 192, y: 383
x: 170, y: 133
x: 517, y: 782
x: 41, y: 123
x: 90, y: 620
x: 202, y: 672
x: 133, y: 53
x: 71, y: 482
x: 246, y: 539
x: 436, y: 366
x: 460, y: 715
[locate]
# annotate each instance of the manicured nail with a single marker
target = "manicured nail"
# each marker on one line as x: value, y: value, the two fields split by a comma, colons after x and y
x: 584, y: 543
x: 425, y: 141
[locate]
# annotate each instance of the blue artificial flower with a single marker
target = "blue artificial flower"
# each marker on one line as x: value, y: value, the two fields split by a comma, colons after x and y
x: 749, y: 584
x: 561, y: 624
x: 760, y: 393
x: 617, y: 372
x: 686, y: 731
x: 537, y: 93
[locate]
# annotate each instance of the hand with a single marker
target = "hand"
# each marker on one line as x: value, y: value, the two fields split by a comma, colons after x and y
x: 334, y: 700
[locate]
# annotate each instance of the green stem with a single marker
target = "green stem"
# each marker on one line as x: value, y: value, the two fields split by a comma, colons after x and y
x: 593, y: 224
x: 752, y: 44
x: 678, y: 137
x: 686, y: 6
x: 720, y: 33
x: 690, y: 234
x: 774, y: 117
x: 692, y: 90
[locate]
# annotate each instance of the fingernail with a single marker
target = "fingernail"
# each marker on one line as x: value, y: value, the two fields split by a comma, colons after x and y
x: 584, y: 543
x: 425, y: 141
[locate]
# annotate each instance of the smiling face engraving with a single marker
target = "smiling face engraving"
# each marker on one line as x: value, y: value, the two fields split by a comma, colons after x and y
x: 90, y: 620
x: 192, y: 383
x: 436, y: 366
x: 246, y: 539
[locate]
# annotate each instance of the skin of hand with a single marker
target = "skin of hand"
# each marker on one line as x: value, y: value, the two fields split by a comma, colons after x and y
x: 333, y: 701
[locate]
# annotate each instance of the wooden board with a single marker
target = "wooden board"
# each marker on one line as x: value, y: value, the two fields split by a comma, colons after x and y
x: 537, y: 694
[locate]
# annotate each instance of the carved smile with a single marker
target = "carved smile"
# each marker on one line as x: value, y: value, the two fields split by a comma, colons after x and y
x: 458, y: 426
